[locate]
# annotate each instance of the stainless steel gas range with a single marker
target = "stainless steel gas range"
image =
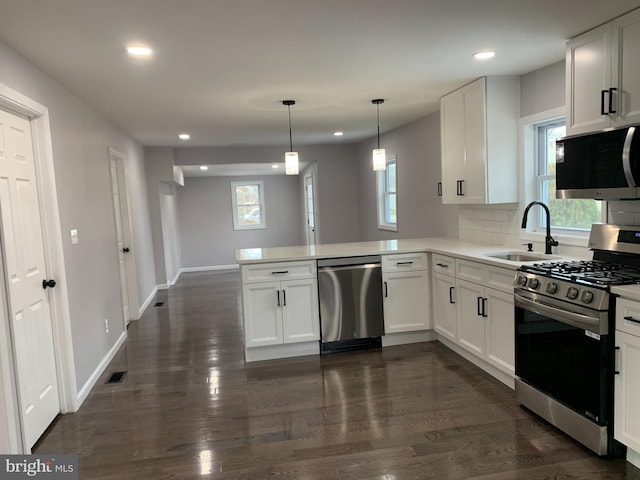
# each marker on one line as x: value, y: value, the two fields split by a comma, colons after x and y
x: 564, y: 313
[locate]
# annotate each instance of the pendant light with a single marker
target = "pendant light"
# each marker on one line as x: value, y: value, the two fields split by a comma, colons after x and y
x: 291, y: 163
x: 379, y: 155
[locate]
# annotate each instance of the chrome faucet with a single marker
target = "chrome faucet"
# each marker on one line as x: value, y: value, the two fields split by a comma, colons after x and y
x: 548, y: 239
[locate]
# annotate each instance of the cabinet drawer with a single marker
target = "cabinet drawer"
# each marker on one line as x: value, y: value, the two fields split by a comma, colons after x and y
x: 500, y: 278
x: 443, y: 264
x: 403, y: 262
x: 262, y: 272
x: 471, y: 271
x: 630, y: 309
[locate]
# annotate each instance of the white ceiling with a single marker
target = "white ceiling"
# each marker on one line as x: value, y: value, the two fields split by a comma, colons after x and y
x: 221, y: 68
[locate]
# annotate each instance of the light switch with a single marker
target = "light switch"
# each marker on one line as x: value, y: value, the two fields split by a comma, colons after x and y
x: 74, y: 236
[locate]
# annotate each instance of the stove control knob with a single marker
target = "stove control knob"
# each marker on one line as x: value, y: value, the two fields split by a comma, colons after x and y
x: 587, y: 296
x: 552, y: 287
x: 534, y: 283
x: 572, y: 293
x: 522, y: 280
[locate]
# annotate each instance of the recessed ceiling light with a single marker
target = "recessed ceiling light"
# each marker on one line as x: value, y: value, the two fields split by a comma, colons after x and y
x: 484, y: 55
x: 204, y: 167
x: 139, y: 51
x: 184, y: 136
x: 338, y: 134
x: 275, y: 165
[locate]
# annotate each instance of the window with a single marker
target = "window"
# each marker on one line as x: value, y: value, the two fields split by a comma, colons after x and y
x: 248, y: 205
x: 387, y: 197
x: 574, y: 215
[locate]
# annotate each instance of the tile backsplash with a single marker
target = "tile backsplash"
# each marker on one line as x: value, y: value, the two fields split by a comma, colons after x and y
x: 500, y: 225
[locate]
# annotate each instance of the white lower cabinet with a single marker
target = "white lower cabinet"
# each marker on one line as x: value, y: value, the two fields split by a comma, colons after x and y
x: 627, y: 379
x: 281, y: 312
x: 473, y: 316
x: 471, y: 324
x: 444, y: 306
x: 280, y: 303
x: 405, y: 281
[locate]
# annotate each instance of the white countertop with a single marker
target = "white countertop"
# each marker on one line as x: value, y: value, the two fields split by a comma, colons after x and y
x: 631, y: 292
x: 442, y: 245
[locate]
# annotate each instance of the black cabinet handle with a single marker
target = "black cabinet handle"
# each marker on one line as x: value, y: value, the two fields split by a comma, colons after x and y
x: 48, y: 283
x: 631, y: 319
x: 283, y: 272
x: 125, y: 250
x: 603, y: 93
x: 439, y: 189
x: 459, y: 191
x: 484, y: 307
x: 611, y: 90
x: 479, y: 305
x: 278, y: 295
x: 442, y: 265
x: 284, y: 298
x: 386, y: 290
x: 451, y: 294
x: 615, y: 363
x: 399, y: 264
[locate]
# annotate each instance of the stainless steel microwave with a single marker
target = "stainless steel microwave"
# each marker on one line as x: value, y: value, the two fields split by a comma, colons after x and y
x: 603, y: 165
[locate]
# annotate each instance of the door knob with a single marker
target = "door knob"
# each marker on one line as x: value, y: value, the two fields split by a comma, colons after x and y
x: 48, y: 283
x: 125, y: 250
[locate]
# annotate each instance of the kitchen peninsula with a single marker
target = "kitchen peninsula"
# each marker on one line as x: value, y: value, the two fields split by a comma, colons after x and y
x: 281, y: 311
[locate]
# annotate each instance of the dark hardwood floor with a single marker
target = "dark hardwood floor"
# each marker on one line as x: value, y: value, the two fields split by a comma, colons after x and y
x: 189, y: 407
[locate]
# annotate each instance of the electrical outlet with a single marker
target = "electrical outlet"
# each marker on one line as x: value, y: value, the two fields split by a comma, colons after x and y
x: 106, y: 325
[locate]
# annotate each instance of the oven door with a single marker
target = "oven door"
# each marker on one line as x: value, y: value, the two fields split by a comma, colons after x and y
x: 563, y: 351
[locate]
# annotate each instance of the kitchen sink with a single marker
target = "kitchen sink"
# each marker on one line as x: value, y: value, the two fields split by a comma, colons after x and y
x: 521, y: 256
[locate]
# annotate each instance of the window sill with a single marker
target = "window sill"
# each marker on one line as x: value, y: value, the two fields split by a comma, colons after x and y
x: 389, y: 228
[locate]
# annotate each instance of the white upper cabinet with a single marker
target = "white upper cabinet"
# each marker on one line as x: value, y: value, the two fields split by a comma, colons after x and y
x: 603, y: 76
x: 479, y: 136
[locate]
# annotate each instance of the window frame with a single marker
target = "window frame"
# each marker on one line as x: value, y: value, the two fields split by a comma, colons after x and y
x: 234, y: 205
x: 383, y: 194
x: 529, y: 186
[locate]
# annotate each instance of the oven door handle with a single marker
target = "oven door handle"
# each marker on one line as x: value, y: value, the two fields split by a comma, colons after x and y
x: 579, y: 320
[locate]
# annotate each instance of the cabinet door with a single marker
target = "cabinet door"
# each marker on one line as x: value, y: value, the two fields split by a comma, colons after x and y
x: 444, y: 308
x: 300, y: 316
x: 588, y: 75
x: 500, y: 333
x: 626, y: 68
x: 471, y: 325
x: 452, y: 140
x: 475, y: 140
x: 627, y: 390
x: 262, y: 315
x: 406, y: 301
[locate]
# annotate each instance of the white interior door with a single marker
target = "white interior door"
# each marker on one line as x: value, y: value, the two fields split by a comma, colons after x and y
x: 121, y: 214
x: 25, y: 271
x: 310, y: 210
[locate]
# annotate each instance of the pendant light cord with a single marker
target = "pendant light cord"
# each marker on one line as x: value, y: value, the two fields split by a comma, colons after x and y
x: 378, y: 115
x: 290, y: 138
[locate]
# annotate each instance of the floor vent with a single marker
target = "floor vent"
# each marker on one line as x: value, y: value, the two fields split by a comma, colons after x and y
x: 116, y: 377
x: 159, y: 304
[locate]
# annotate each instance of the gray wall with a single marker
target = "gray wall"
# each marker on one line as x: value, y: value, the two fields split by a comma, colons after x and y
x: 206, y: 222
x: 420, y: 210
x: 542, y: 89
x: 81, y: 138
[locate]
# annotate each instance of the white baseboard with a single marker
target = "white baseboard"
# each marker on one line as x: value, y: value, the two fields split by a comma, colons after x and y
x: 176, y: 278
x: 147, y: 302
x: 209, y: 268
x: 102, y: 366
x: 393, y: 339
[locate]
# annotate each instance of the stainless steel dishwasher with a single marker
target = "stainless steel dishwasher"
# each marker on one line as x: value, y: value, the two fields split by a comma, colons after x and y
x: 351, y: 308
